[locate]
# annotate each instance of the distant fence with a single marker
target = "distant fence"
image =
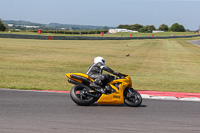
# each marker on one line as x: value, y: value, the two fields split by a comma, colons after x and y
x: 43, y: 37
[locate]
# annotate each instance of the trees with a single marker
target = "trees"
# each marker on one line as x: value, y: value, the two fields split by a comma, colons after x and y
x: 177, y: 28
x: 147, y: 29
x: 136, y: 27
x: 2, y: 27
x: 126, y: 26
x: 163, y: 27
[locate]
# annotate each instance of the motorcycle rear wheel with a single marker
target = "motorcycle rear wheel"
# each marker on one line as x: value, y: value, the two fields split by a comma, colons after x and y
x: 78, y: 96
x: 132, y: 97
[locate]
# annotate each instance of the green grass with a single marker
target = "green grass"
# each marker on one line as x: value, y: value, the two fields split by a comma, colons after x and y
x: 161, y: 64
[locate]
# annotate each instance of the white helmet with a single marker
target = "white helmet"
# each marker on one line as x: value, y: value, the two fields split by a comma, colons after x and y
x: 99, y: 59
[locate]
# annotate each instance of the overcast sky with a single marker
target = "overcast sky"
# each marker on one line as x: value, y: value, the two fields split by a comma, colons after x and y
x: 104, y: 12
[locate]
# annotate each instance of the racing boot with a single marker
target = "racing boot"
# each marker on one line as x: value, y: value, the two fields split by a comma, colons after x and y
x: 109, y: 89
x: 97, y: 87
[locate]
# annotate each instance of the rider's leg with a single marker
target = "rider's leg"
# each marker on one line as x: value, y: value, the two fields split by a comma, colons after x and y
x: 99, y: 82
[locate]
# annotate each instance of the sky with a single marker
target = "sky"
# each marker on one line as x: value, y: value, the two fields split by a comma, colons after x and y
x: 104, y: 12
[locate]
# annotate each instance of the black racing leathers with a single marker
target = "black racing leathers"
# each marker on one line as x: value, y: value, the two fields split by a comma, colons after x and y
x: 95, y: 72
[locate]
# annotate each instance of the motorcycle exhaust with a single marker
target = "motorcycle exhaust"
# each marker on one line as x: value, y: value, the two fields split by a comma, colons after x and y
x: 73, y: 81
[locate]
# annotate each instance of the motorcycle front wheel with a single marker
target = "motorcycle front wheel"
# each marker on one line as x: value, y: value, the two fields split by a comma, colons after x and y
x: 132, y: 97
x: 78, y: 95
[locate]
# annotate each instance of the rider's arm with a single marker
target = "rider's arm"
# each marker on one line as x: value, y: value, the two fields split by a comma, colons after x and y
x: 106, y: 68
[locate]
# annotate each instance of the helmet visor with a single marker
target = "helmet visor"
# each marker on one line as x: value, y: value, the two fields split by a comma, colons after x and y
x: 103, y: 61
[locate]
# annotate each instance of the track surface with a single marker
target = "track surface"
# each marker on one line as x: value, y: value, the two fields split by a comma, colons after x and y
x: 41, y: 112
x: 196, y: 42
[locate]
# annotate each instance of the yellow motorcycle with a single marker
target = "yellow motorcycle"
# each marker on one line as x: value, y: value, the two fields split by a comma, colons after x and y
x: 120, y: 91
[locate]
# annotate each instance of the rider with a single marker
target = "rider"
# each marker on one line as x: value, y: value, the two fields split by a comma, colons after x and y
x: 95, y: 72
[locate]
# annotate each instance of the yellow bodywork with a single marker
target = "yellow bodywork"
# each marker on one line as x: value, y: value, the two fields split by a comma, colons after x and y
x: 113, y: 98
x: 118, y: 96
x: 78, y: 74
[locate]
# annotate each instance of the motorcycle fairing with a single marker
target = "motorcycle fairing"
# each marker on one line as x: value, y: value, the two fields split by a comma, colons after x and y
x: 113, y: 98
x: 116, y: 97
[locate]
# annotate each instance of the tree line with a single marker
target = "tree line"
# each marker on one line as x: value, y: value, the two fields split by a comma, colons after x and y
x: 136, y: 27
x: 2, y: 26
x: 149, y: 28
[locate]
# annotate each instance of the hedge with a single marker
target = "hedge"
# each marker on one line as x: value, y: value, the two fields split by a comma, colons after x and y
x: 72, y: 32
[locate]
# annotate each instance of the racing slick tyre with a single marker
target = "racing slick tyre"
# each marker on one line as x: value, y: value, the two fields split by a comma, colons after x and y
x: 78, y: 95
x: 132, y: 97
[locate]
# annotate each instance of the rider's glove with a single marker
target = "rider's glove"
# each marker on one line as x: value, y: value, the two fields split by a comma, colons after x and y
x: 118, y: 74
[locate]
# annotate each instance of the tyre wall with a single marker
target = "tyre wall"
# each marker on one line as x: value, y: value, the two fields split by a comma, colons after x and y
x: 42, y: 37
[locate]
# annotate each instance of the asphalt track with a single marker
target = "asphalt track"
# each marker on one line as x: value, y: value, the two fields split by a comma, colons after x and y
x: 196, y: 42
x: 47, y: 112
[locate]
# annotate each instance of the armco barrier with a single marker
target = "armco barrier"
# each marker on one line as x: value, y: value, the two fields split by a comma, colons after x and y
x: 42, y: 37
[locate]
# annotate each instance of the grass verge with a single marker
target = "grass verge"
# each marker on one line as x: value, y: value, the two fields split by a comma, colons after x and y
x: 161, y: 64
